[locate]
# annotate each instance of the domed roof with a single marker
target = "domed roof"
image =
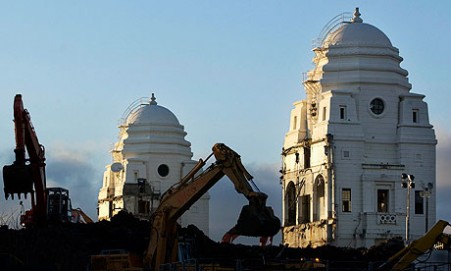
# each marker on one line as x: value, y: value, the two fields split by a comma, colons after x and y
x: 357, y: 33
x: 152, y: 113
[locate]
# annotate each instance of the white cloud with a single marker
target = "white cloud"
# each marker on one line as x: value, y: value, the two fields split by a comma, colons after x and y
x: 73, y: 170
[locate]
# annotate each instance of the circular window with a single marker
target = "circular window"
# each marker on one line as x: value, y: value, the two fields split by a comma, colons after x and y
x: 163, y: 170
x: 377, y: 106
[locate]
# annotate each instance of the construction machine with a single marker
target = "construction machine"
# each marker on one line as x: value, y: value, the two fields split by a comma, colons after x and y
x: 78, y: 216
x: 256, y: 219
x: 58, y: 208
x: 404, y: 258
x: 27, y: 175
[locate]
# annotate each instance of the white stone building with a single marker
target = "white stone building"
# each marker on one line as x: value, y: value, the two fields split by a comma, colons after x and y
x: 359, y: 128
x: 150, y: 156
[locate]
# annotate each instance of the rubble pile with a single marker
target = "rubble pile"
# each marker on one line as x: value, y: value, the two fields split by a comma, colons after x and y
x: 335, y: 257
x: 69, y: 246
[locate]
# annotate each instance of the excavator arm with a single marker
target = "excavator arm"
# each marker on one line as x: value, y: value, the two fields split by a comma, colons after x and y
x: 78, y: 212
x: 180, y: 197
x: 402, y: 259
x: 26, y: 173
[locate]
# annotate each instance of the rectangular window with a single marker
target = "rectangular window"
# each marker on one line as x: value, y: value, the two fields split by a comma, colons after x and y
x: 305, y: 209
x: 135, y: 175
x: 143, y: 206
x: 342, y: 112
x: 346, y: 200
x: 307, y: 157
x: 295, y: 121
x: 382, y: 200
x: 419, y: 210
x: 415, y: 115
x: 324, y: 113
x: 346, y: 154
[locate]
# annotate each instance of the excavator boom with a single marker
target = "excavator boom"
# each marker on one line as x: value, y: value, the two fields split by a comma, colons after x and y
x: 26, y: 173
x: 77, y: 213
x: 402, y: 259
x: 259, y: 221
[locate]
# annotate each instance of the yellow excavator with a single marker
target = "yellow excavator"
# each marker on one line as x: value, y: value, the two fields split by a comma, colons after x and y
x: 256, y: 219
x: 404, y: 258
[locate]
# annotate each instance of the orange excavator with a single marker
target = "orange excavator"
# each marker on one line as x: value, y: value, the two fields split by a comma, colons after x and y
x: 27, y: 175
x: 256, y: 219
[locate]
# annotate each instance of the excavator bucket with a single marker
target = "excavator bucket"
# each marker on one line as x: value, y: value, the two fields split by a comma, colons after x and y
x: 256, y: 221
x: 17, y: 179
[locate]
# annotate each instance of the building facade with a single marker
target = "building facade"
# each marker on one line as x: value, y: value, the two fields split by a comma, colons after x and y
x: 150, y: 156
x: 349, y: 142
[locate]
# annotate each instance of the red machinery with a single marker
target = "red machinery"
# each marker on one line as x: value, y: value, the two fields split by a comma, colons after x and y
x: 26, y: 173
x: 47, y: 204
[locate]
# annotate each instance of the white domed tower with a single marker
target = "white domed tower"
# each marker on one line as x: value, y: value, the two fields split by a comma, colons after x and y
x: 151, y: 155
x: 359, y: 129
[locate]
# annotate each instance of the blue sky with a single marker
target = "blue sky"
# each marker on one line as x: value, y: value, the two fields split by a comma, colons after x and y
x: 229, y: 70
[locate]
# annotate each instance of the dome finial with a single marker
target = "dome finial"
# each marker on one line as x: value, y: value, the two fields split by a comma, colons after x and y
x: 356, y: 18
x: 153, y: 100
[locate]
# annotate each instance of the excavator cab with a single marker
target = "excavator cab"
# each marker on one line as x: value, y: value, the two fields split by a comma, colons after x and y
x: 59, y: 208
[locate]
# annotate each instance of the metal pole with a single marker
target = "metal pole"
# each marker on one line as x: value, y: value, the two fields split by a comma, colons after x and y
x: 407, y: 181
x: 427, y: 214
x: 407, y: 213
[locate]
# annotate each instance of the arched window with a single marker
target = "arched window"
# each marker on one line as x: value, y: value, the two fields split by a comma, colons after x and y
x: 304, y: 208
x: 319, y: 206
x: 290, y: 207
